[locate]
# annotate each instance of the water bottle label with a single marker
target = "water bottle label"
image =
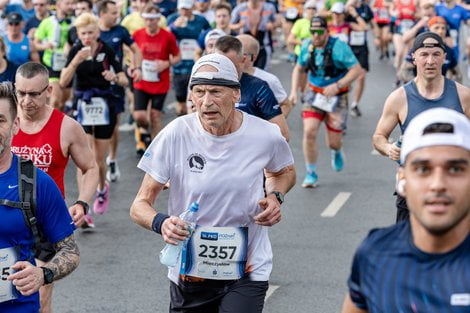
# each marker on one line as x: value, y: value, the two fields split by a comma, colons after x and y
x: 216, y: 253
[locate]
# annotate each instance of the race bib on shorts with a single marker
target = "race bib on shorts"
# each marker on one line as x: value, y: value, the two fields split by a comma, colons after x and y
x: 8, y: 257
x: 150, y: 71
x: 188, y: 48
x: 327, y: 104
x: 406, y: 25
x: 292, y: 13
x: 357, y: 38
x: 94, y: 113
x: 216, y: 253
x: 58, y: 61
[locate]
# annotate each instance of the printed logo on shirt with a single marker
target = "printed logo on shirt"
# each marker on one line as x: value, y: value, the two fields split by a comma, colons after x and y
x: 116, y: 39
x: 41, y: 156
x: 460, y: 299
x: 196, y: 163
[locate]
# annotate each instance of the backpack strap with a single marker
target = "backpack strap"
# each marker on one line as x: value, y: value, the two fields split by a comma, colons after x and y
x: 27, y: 192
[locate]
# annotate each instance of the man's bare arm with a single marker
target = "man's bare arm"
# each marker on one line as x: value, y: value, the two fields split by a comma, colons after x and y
x: 66, y: 259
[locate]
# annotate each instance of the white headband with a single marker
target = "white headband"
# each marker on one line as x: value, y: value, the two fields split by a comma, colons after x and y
x: 151, y: 15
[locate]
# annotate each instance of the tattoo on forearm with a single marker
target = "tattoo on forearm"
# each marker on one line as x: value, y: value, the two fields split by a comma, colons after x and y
x: 66, y: 259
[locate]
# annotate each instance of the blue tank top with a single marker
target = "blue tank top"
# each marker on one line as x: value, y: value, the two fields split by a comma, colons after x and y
x: 417, y: 103
x: 17, y: 52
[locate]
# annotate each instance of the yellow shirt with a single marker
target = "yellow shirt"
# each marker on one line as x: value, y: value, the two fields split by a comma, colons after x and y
x: 135, y: 21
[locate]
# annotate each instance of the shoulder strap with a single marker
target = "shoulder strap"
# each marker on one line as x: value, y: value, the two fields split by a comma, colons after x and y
x: 27, y: 190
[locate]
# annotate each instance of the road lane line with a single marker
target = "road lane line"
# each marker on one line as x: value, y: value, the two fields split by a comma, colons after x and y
x: 270, y: 291
x: 336, y: 204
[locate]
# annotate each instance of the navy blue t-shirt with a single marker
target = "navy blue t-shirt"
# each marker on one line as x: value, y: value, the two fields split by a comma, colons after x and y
x: 167, y: 7
x: 9, y: 73
x: 257, y: 98
x: 390, y: 274
x: 115, y: 38
x: 33, y: 22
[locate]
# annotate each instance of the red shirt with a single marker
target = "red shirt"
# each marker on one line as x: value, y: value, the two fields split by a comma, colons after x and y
x: 44, y: 149
x: 156, y: 47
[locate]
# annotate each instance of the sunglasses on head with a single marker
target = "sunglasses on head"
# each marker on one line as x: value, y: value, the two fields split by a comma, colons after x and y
x: 319, y: 32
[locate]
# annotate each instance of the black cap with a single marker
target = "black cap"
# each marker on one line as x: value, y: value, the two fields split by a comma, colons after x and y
x: 318, y: 20
x: 14, y: 17
x: 419, y: 41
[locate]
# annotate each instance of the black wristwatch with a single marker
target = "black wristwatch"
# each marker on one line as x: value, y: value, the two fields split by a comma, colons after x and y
x: 48, y: 275
x: 279, y: 196
x: 83, y: 204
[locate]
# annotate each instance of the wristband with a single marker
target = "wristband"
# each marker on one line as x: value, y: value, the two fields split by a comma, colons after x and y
x: 83, y: 204
x: 158, y: 222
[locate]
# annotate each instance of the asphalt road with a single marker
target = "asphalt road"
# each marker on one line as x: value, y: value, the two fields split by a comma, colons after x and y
x: 120, y: 270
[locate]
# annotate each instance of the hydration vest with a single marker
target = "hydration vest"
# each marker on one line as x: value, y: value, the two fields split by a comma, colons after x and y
x: 328, y: 67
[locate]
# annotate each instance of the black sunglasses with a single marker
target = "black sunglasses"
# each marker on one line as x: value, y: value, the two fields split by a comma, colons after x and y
x: 14, y: 23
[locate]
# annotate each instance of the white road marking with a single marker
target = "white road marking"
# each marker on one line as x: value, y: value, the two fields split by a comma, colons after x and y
x: 336, y: 204
x: 270, y: 291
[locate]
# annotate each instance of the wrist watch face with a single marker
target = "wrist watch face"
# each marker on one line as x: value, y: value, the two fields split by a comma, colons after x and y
x: 48, y: 275
x: 279, y: 196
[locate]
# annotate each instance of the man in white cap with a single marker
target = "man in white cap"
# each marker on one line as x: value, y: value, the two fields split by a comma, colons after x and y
x: 422, y: 264
x: 222, y: 155
x: 186, y: 27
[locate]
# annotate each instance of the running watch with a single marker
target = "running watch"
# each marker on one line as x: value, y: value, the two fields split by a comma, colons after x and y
x: 279, y: 196
x: 48, y: 275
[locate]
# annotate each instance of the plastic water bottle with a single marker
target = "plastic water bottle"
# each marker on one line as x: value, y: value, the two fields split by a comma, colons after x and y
x: 171, y: 254
x: 398, y: 144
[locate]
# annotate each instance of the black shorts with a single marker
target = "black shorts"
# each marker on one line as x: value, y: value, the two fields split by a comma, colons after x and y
x: 54, y: 74
x: 180, y: 85
x: 362, y: 55
x: 141, y: 100
x: 104, y: 131
x: 120, y: 94
x: 212, y: 296
x: 402, y: 208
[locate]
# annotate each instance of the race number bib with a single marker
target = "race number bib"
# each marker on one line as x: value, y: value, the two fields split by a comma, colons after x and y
x: 58, y: 61
x: 94, y: 113
x: 188, y: 48
x: 292, y: 13
x: 357, y: 38
x: 327, y: 104
x: 383, y: 13
x: 8, y: 257
x: 150, y: 71
x: 406, y: 25
x: 454, y: 34
x: 216, y: 253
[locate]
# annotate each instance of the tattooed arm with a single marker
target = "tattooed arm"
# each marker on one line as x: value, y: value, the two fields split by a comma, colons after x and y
x: 29, y: 278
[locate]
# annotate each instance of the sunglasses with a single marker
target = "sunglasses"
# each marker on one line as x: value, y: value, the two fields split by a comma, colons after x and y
x: 13, y: 24
x: 32, y: 94
x: 39, y: 4
x: 319, y: 32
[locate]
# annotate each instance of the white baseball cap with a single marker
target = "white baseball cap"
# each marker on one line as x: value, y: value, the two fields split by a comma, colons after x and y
x: 454, y: 131
x: 310, y: 4
x: 226, y: 74
x: 185, y: 4
x: 214, y: 34
x: 338, y: 7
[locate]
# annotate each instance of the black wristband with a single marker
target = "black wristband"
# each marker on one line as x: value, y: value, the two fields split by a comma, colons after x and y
x: 158, y: 221
x: 83, y: 204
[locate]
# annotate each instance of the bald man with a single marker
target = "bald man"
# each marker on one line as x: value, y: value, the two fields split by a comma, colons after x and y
x: 251, y: 50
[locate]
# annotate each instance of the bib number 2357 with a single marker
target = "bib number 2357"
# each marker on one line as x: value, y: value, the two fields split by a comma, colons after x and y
x: 216, y: 253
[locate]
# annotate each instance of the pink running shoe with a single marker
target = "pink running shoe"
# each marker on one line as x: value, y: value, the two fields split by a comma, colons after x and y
x: 88, y: 222
x: 102, y: 200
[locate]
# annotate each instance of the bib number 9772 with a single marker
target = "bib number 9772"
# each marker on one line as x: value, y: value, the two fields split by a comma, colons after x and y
x: 220, y: 252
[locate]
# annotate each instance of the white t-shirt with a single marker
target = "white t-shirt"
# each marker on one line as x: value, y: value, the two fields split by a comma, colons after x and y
x: 223, y: 173
x: 273, y: 82
x: 209, y: 15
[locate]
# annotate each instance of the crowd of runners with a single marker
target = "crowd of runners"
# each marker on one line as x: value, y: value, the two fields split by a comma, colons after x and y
x: 70, y: 70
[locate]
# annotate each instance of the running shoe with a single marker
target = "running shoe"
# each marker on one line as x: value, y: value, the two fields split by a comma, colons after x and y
x: 88, y: 223
x: 355, y: 111
x: 337, y: 160
x: 113, y: 174
x: 310, y: 181
x: 102, y: 200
